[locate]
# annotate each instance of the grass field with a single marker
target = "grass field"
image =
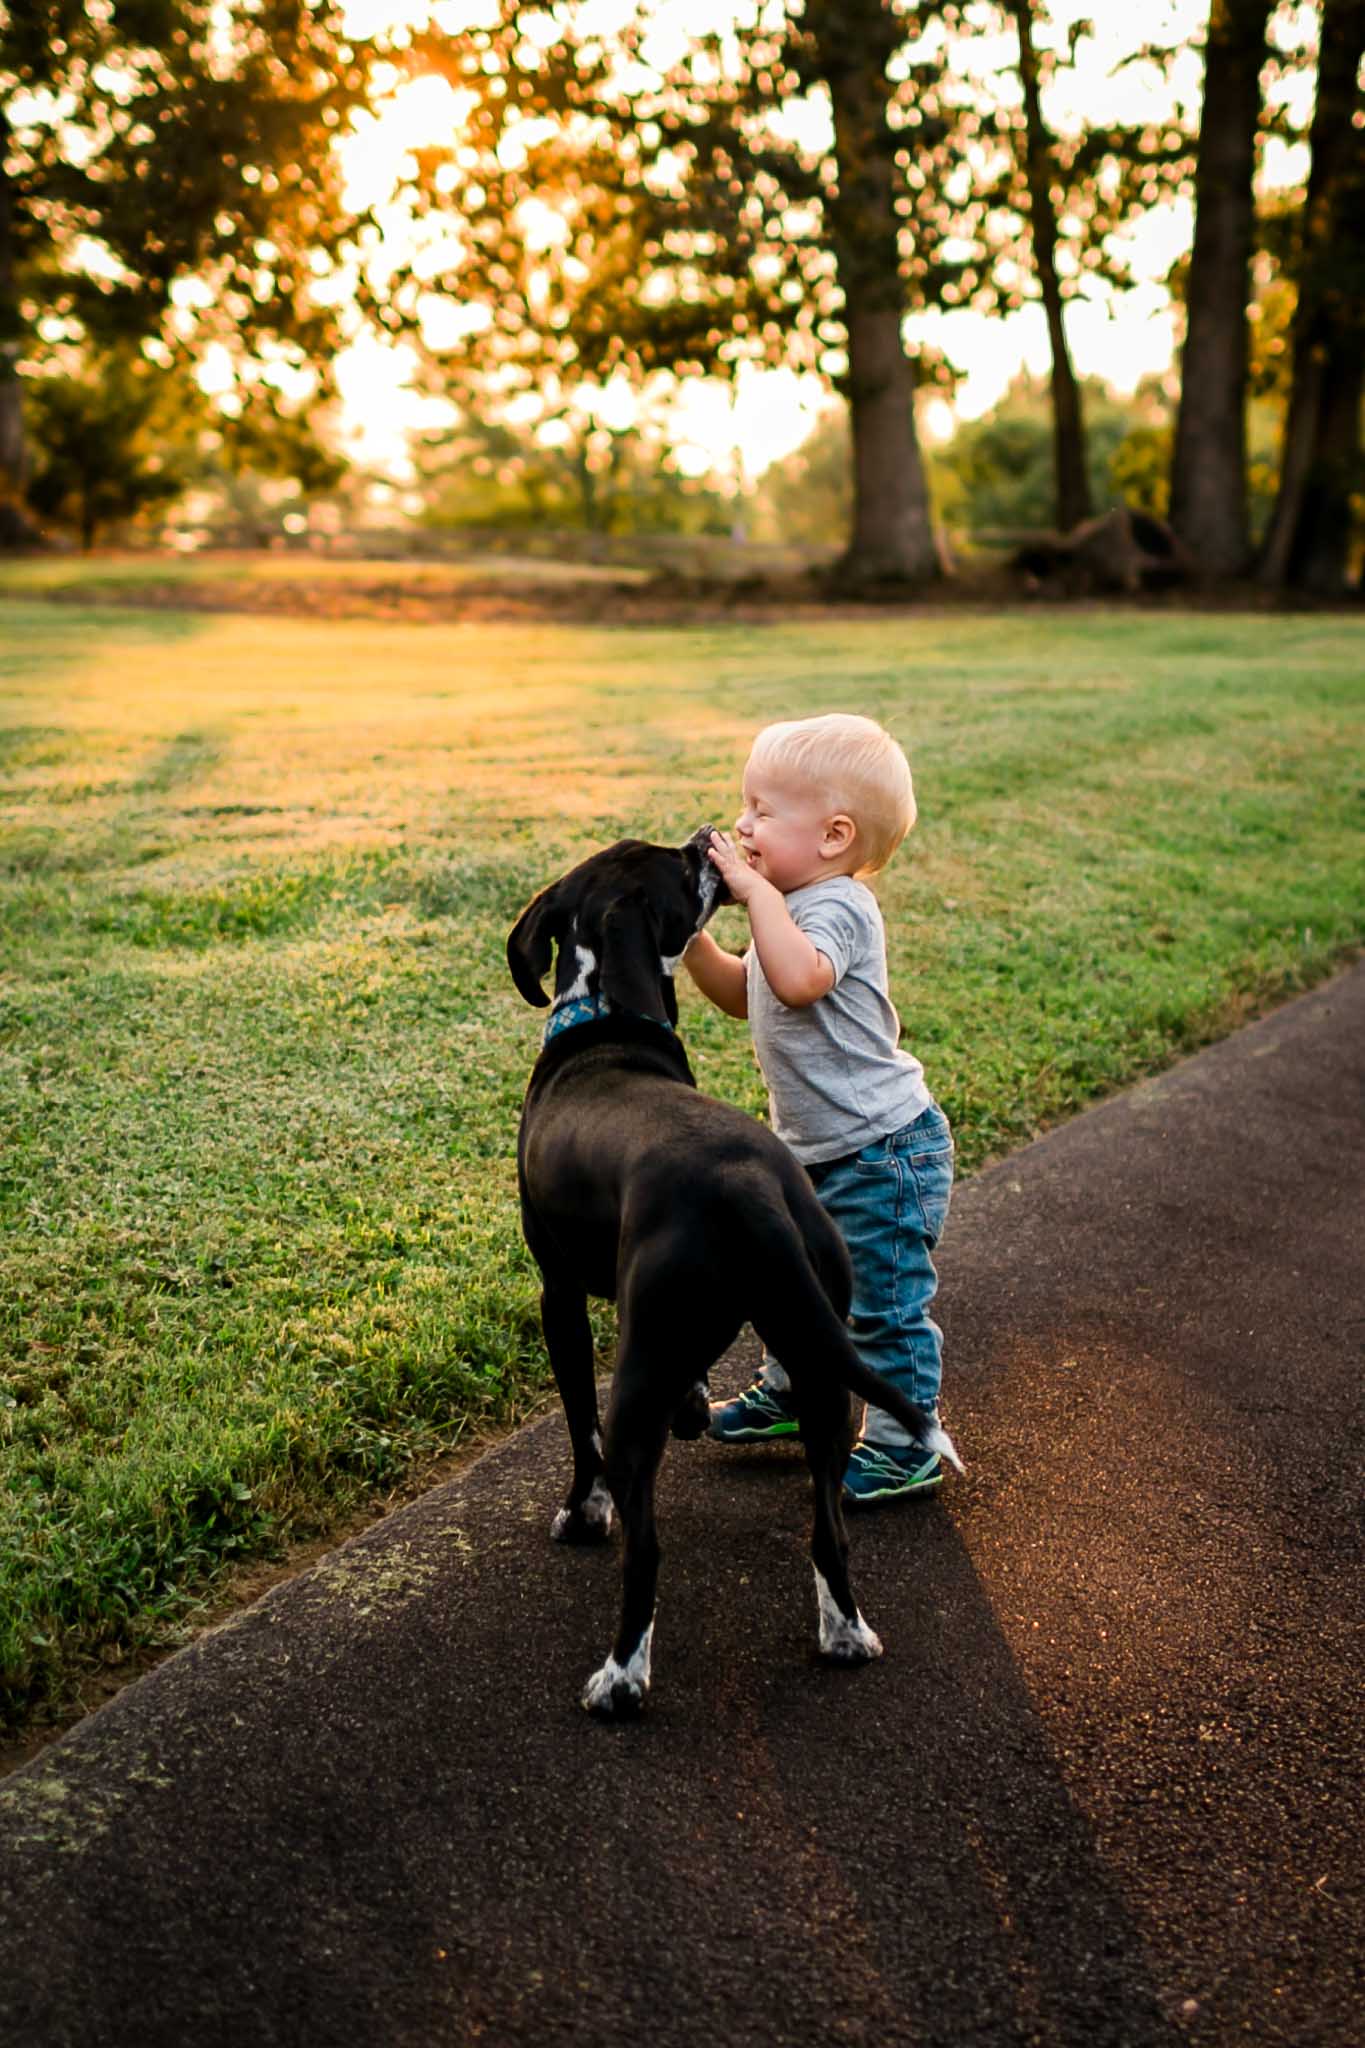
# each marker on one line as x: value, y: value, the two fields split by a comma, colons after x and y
x: 260, y: 1061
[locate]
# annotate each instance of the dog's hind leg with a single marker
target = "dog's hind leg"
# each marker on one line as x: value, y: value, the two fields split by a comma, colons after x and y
x: 692, y: 1416
x: 637, y: 1430
x: 827, y: 1431
x: 670, y: 1332
x: 586, y: 1514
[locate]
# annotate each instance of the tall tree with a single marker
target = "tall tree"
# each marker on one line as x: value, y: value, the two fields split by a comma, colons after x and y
x: 1310, y: 530
x: 849, y: 48
x: 1208, y: 469
x: 1071, y: 482
x: 145, y: 142
x: 704, y: 222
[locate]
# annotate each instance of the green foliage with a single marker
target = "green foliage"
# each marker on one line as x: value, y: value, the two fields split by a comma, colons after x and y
x: 117, y: 439
x: 570, y: 471
x: 1003, y: 462
x: 994, y: 476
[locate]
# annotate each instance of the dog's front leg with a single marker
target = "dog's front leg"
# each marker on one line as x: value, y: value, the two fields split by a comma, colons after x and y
x: 586, y: 1514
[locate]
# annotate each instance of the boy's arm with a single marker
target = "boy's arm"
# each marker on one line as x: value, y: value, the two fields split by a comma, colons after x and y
x: 796, y: 971
x: 719, y: 975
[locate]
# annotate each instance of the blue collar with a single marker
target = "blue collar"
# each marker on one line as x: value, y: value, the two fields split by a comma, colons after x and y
x: 589, y: 1010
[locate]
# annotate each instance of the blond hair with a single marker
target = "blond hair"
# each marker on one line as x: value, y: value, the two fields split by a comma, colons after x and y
x: 860, y: 768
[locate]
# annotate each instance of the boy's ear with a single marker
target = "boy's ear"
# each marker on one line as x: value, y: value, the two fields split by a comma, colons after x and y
x: 840, y: 833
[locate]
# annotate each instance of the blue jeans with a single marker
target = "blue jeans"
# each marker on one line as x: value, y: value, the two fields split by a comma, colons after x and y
x: 890, y: 1202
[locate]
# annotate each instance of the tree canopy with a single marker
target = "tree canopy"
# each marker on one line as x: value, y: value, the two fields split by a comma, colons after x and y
x: 167, y: 170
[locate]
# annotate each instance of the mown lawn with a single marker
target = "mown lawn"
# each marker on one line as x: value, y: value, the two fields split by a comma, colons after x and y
x: 260, y: 1061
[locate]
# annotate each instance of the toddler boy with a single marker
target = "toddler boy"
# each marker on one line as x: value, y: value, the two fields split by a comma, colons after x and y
x: 826, y: 803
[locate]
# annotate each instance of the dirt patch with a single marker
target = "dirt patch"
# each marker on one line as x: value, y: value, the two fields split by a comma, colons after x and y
x: 434, y: 596
x: 460, y: 600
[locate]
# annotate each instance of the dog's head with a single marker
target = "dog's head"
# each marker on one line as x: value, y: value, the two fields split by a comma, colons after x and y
x: 620, y: 922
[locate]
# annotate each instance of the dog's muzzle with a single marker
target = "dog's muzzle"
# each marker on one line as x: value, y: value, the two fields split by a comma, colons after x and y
x: 711, y: 890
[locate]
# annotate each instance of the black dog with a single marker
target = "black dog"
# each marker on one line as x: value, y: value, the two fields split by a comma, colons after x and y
x: 690, y: 1215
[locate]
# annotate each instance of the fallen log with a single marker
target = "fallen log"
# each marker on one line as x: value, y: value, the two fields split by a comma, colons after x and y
x: 1120, y: 552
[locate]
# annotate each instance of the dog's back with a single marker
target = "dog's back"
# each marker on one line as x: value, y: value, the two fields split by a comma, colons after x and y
x: 617, y: 1145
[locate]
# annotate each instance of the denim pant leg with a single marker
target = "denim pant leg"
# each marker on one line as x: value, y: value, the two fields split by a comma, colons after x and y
x: 890, y: 1201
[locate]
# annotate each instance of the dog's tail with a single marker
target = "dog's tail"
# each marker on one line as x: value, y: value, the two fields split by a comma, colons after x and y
x: 800, y: 1326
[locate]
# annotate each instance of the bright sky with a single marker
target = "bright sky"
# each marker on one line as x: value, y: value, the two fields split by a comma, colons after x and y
x: 1122, y: 338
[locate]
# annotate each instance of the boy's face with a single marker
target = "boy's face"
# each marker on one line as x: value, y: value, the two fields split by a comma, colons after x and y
x: 789, y: 832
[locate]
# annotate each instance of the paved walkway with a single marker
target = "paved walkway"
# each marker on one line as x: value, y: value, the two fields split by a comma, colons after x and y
x: 1104, y: 1788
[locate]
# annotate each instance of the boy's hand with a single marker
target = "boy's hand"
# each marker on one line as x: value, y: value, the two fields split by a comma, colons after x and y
x: 738, y: 877
x: 796, y: 971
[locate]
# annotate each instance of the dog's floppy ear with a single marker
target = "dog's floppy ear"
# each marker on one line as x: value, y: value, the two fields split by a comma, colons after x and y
x: 631, y: 976
x: 530, y: 942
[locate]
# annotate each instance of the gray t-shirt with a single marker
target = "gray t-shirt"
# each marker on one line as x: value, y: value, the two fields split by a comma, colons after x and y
x: 837, y: 1078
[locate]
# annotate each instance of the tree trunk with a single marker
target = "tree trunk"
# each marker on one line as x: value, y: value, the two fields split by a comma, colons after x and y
x: 1319, y: 556
x: 1071, y: 479
x: 1308, y: 542
x: 13, y: 461
x: 1208, y: 472
x: 893, y: 538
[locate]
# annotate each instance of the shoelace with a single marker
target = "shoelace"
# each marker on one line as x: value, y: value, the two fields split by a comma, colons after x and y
x: 888, y: 1465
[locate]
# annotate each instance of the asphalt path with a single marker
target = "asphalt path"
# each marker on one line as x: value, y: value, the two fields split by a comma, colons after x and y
x: 1105, y: 1786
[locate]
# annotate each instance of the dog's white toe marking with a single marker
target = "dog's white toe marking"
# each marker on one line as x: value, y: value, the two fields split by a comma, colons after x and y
x: 621, y: 1688
x: 846, y: 1641
x: 598, y: 1507
x: 597, y: 1511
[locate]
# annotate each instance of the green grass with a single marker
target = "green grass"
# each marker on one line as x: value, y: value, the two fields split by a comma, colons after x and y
x: 260, y: 1060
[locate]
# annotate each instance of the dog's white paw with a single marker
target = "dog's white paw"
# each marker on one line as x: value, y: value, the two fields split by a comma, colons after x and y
x: 618, y: 1691
x: 590, y: 1523
x: 844, y: 1639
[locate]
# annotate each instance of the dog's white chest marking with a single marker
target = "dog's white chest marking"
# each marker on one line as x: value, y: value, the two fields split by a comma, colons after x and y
x: 847, y: 1642
x: 587, y: 961
x: 621, y: 1688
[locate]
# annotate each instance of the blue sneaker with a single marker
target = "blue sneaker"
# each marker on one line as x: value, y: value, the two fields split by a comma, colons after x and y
x: 760, y: 1415
x: 889, y: 1472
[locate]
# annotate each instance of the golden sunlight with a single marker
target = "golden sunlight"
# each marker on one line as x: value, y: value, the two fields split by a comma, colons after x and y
x: 1122, y: 337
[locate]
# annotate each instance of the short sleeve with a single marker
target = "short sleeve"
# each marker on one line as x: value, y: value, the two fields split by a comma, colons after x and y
x: 834, y: 928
